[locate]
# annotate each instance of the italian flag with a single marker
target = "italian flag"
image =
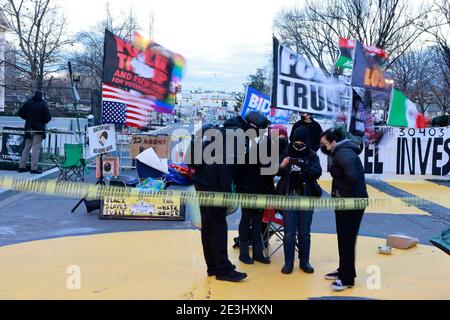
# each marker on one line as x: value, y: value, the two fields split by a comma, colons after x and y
x: 403, y: 112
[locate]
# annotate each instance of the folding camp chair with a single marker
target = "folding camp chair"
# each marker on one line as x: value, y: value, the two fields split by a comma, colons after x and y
x: 274, y: 221
x: 74, y: 166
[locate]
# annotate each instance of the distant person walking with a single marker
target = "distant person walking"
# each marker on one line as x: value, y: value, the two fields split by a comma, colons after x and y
x: 314, y: 129
x: 36, y: 114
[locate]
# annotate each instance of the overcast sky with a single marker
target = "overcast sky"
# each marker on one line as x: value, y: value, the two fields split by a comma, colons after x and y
x: 229, y: 39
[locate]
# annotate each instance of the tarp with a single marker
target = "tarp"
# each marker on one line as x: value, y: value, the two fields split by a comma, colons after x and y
x: 443, y: 241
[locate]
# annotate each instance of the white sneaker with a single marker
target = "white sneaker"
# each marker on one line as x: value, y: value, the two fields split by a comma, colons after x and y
x: 338, y: 286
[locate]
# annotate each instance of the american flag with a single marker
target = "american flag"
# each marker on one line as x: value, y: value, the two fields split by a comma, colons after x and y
x: 122, y: 107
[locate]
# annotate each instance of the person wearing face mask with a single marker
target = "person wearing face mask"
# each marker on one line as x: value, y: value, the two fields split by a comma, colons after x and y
x: 314, y: 130
x: 347, y: 172
x: 299, y: 172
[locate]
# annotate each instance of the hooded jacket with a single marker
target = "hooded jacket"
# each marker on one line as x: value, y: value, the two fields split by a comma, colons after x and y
x: 347, y: 171
x: 219, y: 176
x: 315, y: 130
x: 36, y: 114
x: 299, y: 176
x: 250, y: 178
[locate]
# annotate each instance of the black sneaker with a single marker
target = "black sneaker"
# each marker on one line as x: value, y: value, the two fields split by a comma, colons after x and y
x: 307, y: 267
x: 232, y: 276
x: 36, y: 171
x: 287, y: 269
x: 246, y: 259
x: 21, y: 170
x: 262, y: 259
x: 332, y: 275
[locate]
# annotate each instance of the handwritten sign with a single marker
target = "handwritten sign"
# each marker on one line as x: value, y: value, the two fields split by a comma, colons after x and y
x: 161, y: 145
x: 156, y: 209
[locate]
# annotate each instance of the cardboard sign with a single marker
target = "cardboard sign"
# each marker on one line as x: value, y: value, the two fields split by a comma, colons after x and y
x: 102, y: 139
x: 128, y: 208
x: 110, y: 167
x: 161, y: 145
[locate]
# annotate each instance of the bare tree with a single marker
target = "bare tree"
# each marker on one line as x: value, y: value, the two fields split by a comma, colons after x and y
x: 414, y: 75
x: 441, y: 45
x: 314, y: 29
x: 39, y: 29
x: 88, y: 61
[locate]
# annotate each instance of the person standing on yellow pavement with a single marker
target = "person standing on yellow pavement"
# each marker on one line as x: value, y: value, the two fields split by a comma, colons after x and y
x: 299, y: 172
x: 215, y: 173
x: 348, y: 182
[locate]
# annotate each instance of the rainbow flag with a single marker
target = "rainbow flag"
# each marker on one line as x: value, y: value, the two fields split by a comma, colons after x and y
x: 140, y: 41
x: 179, y: 65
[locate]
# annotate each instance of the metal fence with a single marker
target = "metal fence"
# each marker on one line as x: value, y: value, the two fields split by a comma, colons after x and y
x: 52, y: 147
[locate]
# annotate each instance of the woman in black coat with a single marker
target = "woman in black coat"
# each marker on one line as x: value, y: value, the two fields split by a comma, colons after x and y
x: 348, y: 182
x: 299, y: 173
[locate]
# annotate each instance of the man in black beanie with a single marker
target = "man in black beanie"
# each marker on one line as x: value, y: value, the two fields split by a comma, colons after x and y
x: 217, y: 176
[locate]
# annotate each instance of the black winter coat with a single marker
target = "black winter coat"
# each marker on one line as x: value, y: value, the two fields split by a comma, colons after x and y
x: 347, y: 171
x: 315, y: 130
x: 299, y: 178
x: 216, y: 176
x: 36, y: 114
x: 249, y: 177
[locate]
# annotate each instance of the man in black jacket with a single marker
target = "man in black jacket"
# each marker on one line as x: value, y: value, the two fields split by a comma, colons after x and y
x: 217, y: 175
x: 36, y: 114
x: 348, y: 182
x: 314, y: 128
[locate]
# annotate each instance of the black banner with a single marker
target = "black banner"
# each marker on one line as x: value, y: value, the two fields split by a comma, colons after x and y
x: 13, y: 142
x: 367, y: 72
x: 128, y: 67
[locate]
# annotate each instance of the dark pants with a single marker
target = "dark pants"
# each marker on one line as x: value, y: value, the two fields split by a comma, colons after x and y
x: 250, y: 228
x: 297, y: 224
x: 215, y: 237
x: 347, y: 228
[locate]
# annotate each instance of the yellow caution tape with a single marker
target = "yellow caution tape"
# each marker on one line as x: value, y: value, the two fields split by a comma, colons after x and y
x: 211, y: 199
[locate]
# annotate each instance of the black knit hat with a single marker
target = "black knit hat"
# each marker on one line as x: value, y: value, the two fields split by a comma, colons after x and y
x: 257, y: 120
x: 301, y: 134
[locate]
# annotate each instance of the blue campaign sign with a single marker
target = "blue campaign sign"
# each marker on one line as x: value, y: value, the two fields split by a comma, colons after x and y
x: 279, y: 116
x: 255, y: 100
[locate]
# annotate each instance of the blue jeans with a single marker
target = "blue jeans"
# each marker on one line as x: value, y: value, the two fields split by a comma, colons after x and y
x: 297, y: 224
